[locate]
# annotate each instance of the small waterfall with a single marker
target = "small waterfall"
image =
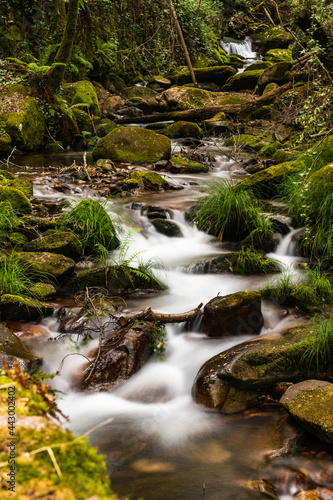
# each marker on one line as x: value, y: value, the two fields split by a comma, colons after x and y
x: 287, y: 245
x: 240, y: 47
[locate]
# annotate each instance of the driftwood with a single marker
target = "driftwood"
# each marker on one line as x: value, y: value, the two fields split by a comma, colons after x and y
x: 148, y: 315
x: 210, y: 111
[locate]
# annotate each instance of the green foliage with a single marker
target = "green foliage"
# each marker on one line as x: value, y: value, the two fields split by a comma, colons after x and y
x: 158, y: 340
x: 319, y: 353
x: 223, y: 209
x: 8, y: 218
x: 17, y: 276
x: 250, y: 262
x: 95, y: 228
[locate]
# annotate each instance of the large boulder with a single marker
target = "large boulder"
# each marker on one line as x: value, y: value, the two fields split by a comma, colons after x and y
x: 216, y: 74
x: 133, y: 144
x: 243, y: 81
x: 235, y: 314
x: 49, y: 264
x: 182, y: 129
x: 9, y: 180
x: 310, y: 403
x: 17, y: 308
x: 278, y: 73
x: 274, y: 37
x: 118, y: 362
x: 180, y: 98
x: 17, y: 199
x: 138, y: 91
x: 62, y: 242
x: 84, y: 93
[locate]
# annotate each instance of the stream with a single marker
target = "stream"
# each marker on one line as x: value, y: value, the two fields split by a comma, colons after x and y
x: 159, y: 444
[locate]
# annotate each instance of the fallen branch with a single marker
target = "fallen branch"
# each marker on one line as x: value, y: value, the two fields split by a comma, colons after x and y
x: 210, y: 111
x: 148, y: 315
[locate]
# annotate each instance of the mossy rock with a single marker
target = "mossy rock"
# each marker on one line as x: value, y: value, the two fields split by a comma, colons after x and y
x: 52, y: 265
x: 181, y: 98
x: 105, y: 127
x: 35, y: 472
x: 262, y: 113
x: 190, y: 166
x: 112, y: 81
x: 266, y: 182
x: 243, y: 81
x: 27, y: 126
x: 275, y: 74
x: 182, y: 129
x: 282, y: 155
x: 83, y: 120
x: 43, y: 291
x: 17, y: 239
x: 235, y: 314
x: 133, y: 144
x: 240, y: 263
x: 310, y: 403
x: 150, y: 180
x: 270, y: 149
x: 138, y: 91
x: 167, y: 227
x: 18, y: 308
x: 160, y: 80
x: 269, y: 87
x: 274, y: 37
x: 84, y: 93
x: 17, y: 199
x: 5, y: 143
x: 216, y: 74
x: 62, y: 242
x: 321, y: 181
x: 247, y: 141
x: 4, y: 174
x: 118, y: 280
x: 260, y: 65
x: 304, y: 298
x: 259, y: 239
x: 23, y: 185
x: 230, y: 98
x: 278, y: 55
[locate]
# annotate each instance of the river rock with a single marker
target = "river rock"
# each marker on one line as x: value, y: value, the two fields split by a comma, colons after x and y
x: 138, y: 91
x: 152, y: 181
x: 123, y: 353
x: 49, y: 264
x: 243, y: 81
x: 310, y: 403
x: 118, y: 280
x: 274, y: 37
x: 17, y: 199
x: 167, y: 227
x: 276, y: 74
x: 216, y: 74
x: 255, y: 263
x: 180, y: 98
x: 17, y: 308
x: 112, y: 104
x: 62, y: 242
x: 235, y: 314
x: 84, y: 93
x: 182, y: 129
x: 133, y: 144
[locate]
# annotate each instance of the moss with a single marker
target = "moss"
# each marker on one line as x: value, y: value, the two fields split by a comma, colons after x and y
x: 244, y: 262
x: 24, y: 185
x: 192, y: 166
x: 83, y: 470
x: 83, y: 120
x: 167, y: 227
x: 150, y: 180
x: 276, y: 74
x: 133, y: 144
x: 18, y: 308
x: 281, y: 156
x: 279, y: 55
x: 270, y: 149
x: 26, y: 127
x: 17, y: 199
x: 259, y: 239
x: 5, y: 143
x: 105, y: 127
x: 182, y: 129
x: 216, y: 74
x: 142, y: 92
x: 258, y: 65
x: 61, y: 242
x: 248, y: 141
x: 243, y: 81
x: 230, y: 98
x: 84, y: 93
x: 269, y: 87
x: 273, y: 37
x: 17, y: 239
x: 180, y: 98
x: 52, y: 265
x: 43, y: 291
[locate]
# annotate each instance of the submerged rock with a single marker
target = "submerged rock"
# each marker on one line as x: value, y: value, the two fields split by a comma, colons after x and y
x: 310, y: 403
x: 235, y: 314
x: 122, y: 354
x: 133, y: 144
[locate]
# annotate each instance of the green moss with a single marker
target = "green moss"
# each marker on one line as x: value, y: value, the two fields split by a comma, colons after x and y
x: 43, y: 291
x: 216, y: 74
x: 245, y: 261
x: 26, y: 127
x: 133, y: 144
x: 50, y: 264
x: 84, y: 93
x: 61, y: 242
x: 180, y: 98
x: 279, y: 55
x: 5, y: 143
x: 24, y: 185
x: 192, y: 166
x: 230, y: 98
x: 17, y: 199
x: 17, y: 239
x: 276, y: 74
x: 281, y: 155
x: 247, y: 141
x: 273, y: 37
x: 150, y: 180
x: 105, y: 127
x: 258, y: 65
x: 182, y: 129
x: 243, y: 81
x: 270, y: 149
x: 142, y: 92
x: 18, y: 308
x: 259, y: 239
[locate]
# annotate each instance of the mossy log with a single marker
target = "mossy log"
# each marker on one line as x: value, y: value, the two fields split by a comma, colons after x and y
x: 210, y: 111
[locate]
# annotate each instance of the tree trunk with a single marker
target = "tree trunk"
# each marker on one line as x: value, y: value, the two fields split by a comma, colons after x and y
x: 64, y: 53
x: 148, y: 315
x: 59, y: 14
x: 210, y: 111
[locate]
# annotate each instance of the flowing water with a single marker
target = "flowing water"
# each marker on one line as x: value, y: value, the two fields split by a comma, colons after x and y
x: 159, y: 444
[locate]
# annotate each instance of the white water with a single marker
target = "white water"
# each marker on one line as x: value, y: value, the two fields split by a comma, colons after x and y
x: 151, y: 422
x: 241, y: 48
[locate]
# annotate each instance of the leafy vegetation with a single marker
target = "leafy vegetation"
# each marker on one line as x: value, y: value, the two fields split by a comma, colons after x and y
x: 8, y: 218
x: 319, y: 353
x: 251, y: 262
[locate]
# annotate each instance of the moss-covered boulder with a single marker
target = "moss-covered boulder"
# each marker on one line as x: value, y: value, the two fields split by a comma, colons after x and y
x: 258, y: 65
x: 105, y: 127
x: 257, y: 365
x: 62, y: 242
x: 138, y: 91
x: 180, y: 98
x: 282, y: 155
x: 259, y: 239
x: 182, y: 129
x: 36, y: 429
x: 241, y: 262
x: 247, y: 141
x: 216, y: 74
x: 275, y: 74
x: 321, y: 181
x: 112, y: 104
x: 152, y: 181
x: 277, y: 55
x: 118, y: 280
x: 84, y: 93
x: 235, y: 314
x: 18, y: 308
x: 133, y: 144
x: 243, y: 81
x: 24, y: 185
x: 310, y: 403
x: 52, y: 265
x: 5, y: 142
x: 17, y: 199
x: 183, y: 165
x: 274, y: 37
x: 167, y: 227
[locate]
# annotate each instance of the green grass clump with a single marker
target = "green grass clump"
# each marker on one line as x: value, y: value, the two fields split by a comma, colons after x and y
x: 17, y: 276
x: 95, y: 228
x: 318, y: 354
x: 250, y: 262
x: 8, y: 218
x: 229, y: 213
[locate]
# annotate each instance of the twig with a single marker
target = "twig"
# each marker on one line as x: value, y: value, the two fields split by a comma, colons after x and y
x: 11, y: 154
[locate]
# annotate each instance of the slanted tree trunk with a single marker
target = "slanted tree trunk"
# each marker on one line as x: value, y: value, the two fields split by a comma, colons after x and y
x: 64, y: 53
